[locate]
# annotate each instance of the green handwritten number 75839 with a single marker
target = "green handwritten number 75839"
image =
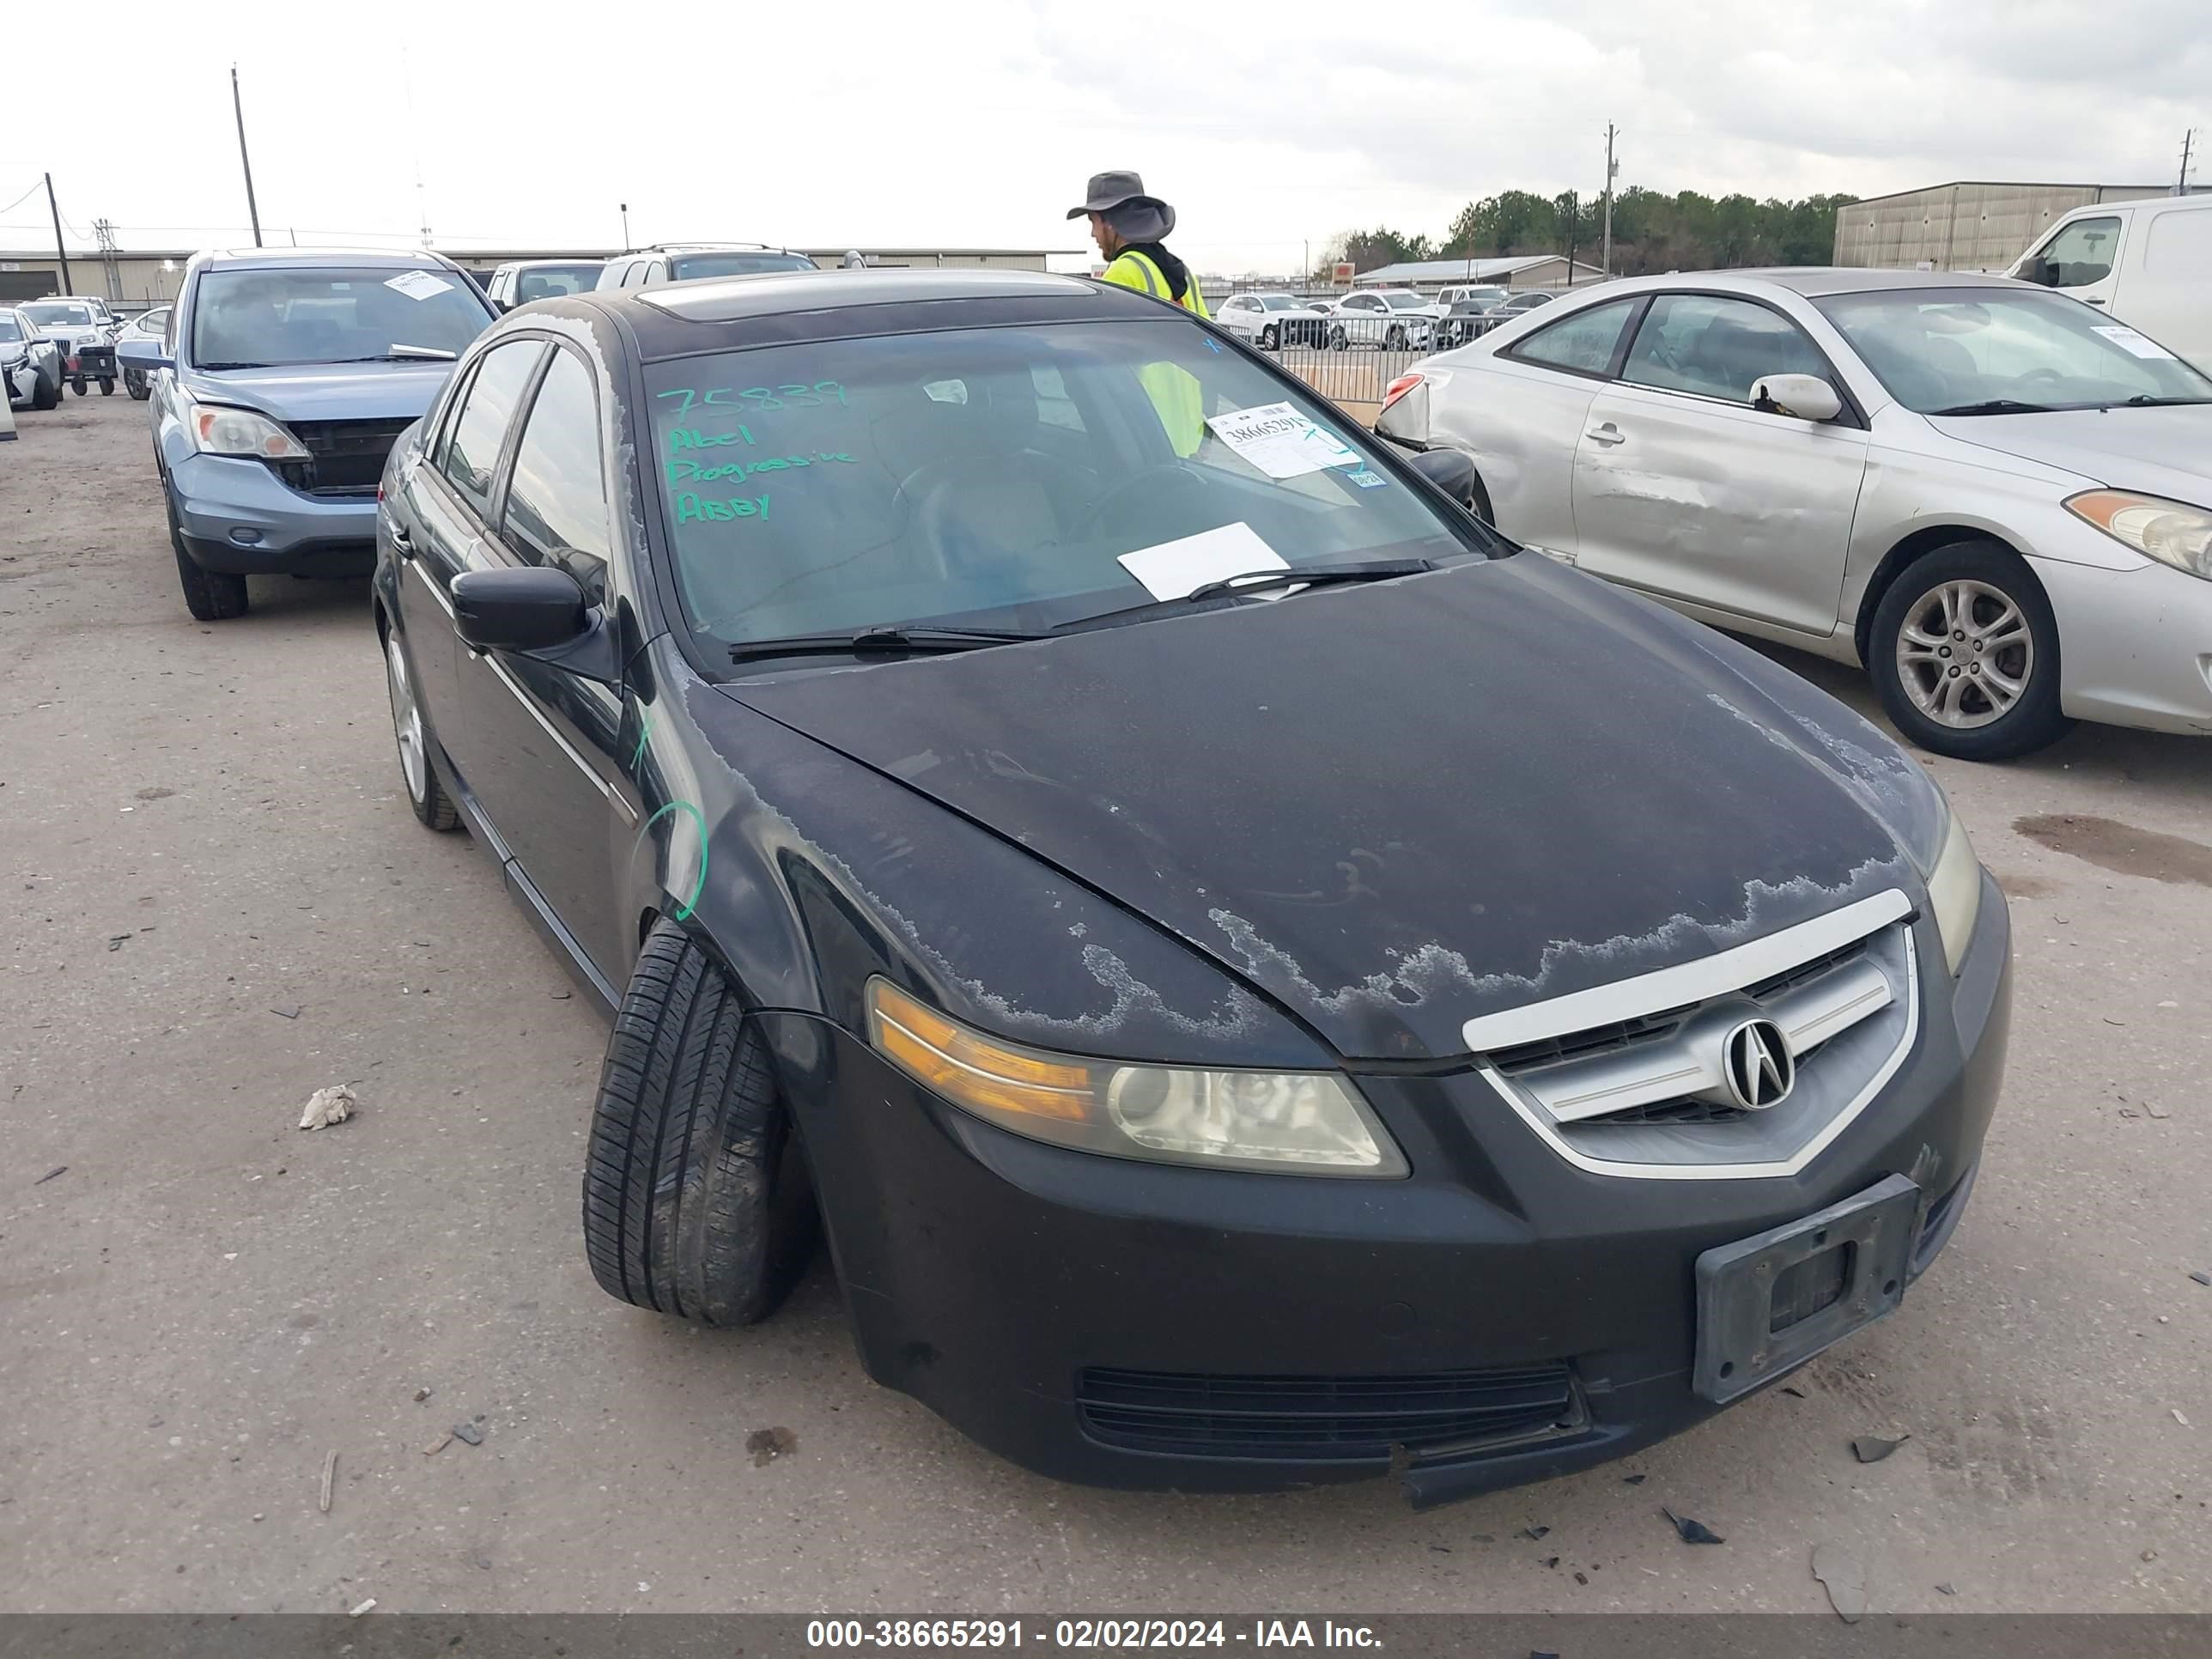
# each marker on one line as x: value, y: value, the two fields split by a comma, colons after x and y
x: 757, y: 399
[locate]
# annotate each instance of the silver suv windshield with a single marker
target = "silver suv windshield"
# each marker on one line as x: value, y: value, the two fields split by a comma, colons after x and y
x: 683, y: 267
x: 1012, y: 478
x: 54, y: 314
x: 254, y: 318
x: 2001, y: 351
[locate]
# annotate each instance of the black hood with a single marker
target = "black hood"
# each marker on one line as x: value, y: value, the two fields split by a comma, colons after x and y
x: 1396, y: 806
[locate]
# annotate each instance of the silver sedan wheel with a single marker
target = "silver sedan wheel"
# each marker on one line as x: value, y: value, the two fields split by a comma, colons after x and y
x: 1966, y: 654
x: 406, y: 720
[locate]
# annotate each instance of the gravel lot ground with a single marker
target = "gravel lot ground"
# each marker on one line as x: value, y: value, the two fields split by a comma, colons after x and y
x: 214, y: 901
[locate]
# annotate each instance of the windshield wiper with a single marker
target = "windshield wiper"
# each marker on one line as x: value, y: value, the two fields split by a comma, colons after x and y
x: 2145, y: 400
x: 403, y: 354
x: 1262, y: 581
x: 213, y: 366
x: 1996, y: 406
x: 869, y: 640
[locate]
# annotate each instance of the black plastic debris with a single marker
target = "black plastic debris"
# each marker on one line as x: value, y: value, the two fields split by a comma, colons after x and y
x: 2202, y: 1277
x: 1582, y: 1579
x: 1945, y: 1589
x: 58, y: 1169
x: 1532, y: 1654
x: 1872, y: 1448
x: 468, y: 1432
x: 287, y: 1011
x: 1692, y: 1532
x: 1553, y: 1562
x: 1795, y: 1394
x: 1533, y: 1532
x: 1633, y: 1479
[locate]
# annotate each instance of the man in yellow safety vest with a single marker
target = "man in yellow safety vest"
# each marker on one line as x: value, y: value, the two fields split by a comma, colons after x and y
x: 1129, y: 227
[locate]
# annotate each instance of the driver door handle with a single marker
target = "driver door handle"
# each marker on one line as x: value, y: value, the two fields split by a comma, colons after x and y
x: 2092, y: 302
x: 1608, y: 433
x: 402, y: 543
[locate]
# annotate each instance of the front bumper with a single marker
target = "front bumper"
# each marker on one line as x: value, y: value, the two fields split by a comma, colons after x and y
x: 237, y: 516
x: 2134, y: 646
x: 1028, y: 1294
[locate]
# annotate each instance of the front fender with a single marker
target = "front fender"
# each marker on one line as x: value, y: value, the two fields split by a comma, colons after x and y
x: 807, y: 873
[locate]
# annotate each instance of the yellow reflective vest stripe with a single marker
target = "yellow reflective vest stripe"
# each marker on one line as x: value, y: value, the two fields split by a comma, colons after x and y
x: 1174, y: 391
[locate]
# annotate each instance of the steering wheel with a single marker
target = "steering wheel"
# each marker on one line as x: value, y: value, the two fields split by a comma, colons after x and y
x: 1157, y: 482
x: 2046, y: 374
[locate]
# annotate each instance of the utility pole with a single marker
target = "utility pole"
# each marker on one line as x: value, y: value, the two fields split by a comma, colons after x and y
x: 60, y: 252
x: 2181, y: 184
x: 1612, y: 167
x: 238, y: 108
x: 103, y: 231
x: 624, y: 207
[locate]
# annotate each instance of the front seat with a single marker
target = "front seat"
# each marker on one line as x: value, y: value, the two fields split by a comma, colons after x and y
x: 992, y: 495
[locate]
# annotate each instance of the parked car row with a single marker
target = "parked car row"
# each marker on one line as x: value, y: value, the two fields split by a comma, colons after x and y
x: 1996, y: 499
x: 1387, y: 318
x: 79, y: 330
x: 32, y: 365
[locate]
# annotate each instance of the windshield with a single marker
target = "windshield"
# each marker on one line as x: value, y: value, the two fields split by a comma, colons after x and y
x: 1405, y: 302
x: 997, y: 478
x: 1961, y: 349
x: 256, y: 319
x: 52, y: 315
x: 684, y: 267
x: 10, y: 328
x: 1278, y: 302
x: 545, y: 282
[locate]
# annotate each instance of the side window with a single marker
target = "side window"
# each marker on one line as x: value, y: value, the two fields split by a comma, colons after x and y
x: 471, y: 461
x: 1583, y: 343
x: 557, y: 498
x: 442, y: 441
x: 1716, y: 347
x: 2080, y: 254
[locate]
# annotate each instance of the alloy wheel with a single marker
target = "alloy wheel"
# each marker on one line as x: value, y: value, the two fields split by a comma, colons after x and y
x: 406, y: 720
x: 1965, y: 654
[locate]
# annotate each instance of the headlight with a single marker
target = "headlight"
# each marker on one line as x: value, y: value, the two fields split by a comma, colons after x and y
x: 218, y: 430
x: 2172, y: 532
x: 1955, y: 889
x: 1283, y: 1122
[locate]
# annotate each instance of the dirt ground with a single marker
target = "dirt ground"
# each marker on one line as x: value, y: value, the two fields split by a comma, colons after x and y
x: 213, y: 901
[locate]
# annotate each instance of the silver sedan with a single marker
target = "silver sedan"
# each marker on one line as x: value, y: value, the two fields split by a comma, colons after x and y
x: 1996, y: 499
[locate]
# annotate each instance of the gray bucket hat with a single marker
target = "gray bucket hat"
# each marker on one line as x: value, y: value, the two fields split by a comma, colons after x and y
x: 1122, y: 196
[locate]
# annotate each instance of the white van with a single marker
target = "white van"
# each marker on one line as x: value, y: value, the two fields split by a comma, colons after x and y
x: 2147, y: 263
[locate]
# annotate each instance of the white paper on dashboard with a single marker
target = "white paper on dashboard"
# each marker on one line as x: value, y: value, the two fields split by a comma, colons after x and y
x: 1281, y: 443
x: 418, y: 284
x: 2140, y: 345
x: 1173, y: 569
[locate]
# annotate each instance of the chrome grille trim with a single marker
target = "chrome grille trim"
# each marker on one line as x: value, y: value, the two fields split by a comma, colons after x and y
x: 1687, y: 983
x: 1852, y: 1024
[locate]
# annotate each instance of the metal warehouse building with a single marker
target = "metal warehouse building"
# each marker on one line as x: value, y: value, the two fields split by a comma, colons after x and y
x: 1966, y: 226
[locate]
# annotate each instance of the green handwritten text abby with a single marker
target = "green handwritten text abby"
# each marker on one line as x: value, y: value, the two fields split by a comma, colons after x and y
x: 689, y: 506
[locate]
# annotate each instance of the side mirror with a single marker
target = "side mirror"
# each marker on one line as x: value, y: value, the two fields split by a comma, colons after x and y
x: 143, y: 355
x: 1451, y: 471
x: 1803, y: 397
x: 525, y: 608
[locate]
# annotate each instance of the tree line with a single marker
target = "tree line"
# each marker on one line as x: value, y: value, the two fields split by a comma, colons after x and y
x: 1651, y: 232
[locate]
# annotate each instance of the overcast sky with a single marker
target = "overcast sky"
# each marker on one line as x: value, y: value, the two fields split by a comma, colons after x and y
x: 1269, y: 123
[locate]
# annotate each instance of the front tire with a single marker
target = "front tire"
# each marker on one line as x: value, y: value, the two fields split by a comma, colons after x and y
x: 48, y: 394
x: 695, y: 1197
x: 76, y: 385
x: 134, y: 384
x: 412, y: 735
x: 1394, y: 340
x: 1271, y: 339
x: 106, y: 386
x: 1337, y: 339
x: 210, y: 595
x: 1964, y: 653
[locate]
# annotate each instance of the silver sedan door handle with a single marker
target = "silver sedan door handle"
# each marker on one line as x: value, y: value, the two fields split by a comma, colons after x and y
x: 1607, y: 433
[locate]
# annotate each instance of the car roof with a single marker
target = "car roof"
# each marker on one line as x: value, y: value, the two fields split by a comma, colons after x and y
x: 278, y: 258
x: 724, y: 313
x: 1810, y: 281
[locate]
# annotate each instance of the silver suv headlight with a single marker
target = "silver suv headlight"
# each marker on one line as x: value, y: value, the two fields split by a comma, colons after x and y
x: 219, y: 429
x: 1285, y: 1123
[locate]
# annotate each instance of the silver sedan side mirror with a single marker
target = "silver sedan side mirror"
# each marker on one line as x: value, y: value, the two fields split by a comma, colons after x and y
x: 1803, y: 396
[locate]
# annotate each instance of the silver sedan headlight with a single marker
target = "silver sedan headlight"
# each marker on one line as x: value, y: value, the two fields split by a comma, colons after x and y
x: 2172, y: 532
x: 1284, y: 1123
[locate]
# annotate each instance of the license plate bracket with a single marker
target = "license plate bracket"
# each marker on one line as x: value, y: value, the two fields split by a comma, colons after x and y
x: 1869, y: 1237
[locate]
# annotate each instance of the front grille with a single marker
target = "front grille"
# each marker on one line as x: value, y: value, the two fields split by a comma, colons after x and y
x: 1328, y: 1419
x: 1591, y: 1041
x: 348, y: 456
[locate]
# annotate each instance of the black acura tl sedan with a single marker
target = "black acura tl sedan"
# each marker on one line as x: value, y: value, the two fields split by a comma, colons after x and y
x: 1258, y: 981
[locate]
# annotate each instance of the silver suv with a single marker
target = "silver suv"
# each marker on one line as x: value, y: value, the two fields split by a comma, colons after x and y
x: 681, y: 262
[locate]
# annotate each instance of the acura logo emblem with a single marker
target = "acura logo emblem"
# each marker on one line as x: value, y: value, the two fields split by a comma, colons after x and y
x: 1756, y: 1062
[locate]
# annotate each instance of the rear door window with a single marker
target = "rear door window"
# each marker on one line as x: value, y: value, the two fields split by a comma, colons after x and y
x: 470, y: 462
x: 1582, y: 343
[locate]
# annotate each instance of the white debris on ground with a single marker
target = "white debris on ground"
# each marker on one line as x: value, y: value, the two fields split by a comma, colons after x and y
x: 327, y: 1106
